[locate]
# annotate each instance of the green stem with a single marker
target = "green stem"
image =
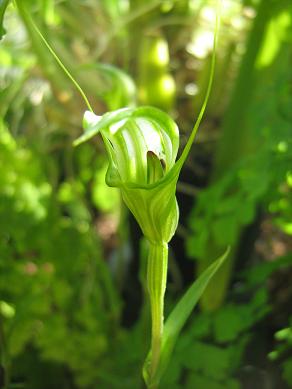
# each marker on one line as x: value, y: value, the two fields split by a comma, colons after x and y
x: 3, y: 6
x: 156, y: 283
x: 4, y: 357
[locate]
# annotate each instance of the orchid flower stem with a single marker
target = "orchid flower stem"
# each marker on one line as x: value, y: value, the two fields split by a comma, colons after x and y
x: 156, y: 283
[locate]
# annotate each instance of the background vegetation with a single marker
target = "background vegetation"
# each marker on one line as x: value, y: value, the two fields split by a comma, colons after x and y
x: 73, y: 306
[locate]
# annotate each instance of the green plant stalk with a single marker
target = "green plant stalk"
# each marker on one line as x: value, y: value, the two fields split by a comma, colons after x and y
x: 232, y: 148
x: 3, y: 6
x: 4, y: 356
x: 156, y: 284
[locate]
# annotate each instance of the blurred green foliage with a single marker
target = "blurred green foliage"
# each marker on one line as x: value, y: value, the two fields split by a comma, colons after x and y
x: 43, y: 254
x: 72, y: 313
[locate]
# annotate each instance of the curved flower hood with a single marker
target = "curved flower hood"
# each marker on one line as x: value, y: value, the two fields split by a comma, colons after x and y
x: 142, y: 145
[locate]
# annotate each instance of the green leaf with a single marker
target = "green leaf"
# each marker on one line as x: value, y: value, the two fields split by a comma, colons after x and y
x: 181, y: 313
x: 117, y: 87
x: 202, y: 382
x: 231, y: 321
x: 213, y: 361
x: 3, y: 6
x: 287, y: 370
x: 225, y: 230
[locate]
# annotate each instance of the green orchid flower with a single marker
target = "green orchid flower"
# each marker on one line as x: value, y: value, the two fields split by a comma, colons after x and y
x: 142, y: 145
